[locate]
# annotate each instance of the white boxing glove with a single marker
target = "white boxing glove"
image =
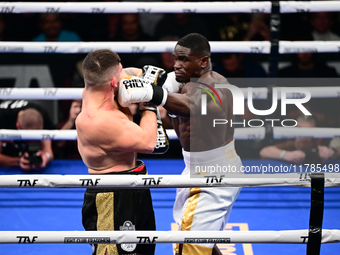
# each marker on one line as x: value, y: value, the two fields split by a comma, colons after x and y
x: 134, y: 90
x: 171, y: 85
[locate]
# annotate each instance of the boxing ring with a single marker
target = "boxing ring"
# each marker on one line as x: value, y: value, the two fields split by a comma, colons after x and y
x: 274, y: 219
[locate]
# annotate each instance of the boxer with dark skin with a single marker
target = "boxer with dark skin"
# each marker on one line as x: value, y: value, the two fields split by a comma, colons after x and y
x: 187, y: 66
x: 192, y: 60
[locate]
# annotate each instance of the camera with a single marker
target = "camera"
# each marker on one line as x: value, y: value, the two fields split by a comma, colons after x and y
x: 312, y: 156
x: 18, y: 148
x: 32, y: 148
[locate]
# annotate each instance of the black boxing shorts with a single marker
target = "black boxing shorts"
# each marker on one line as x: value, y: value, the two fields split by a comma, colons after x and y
x: 119, y: 209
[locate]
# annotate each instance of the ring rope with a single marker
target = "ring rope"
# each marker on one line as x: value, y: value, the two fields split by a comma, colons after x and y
x: 119, y: 237
x: 260, y: 47
x: 241, y: 133
x: 76, y: 93
x: 164, y: 7
x: 138, y: 7
x: 301, y: 179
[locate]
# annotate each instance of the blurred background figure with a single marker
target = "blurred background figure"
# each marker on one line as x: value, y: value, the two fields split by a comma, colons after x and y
x: 130, y: 29
x: 28, y: 155
x: 4, y: 31
x: 166, y: 58
x: 68, y: 149
x: 258, y: 29
x: 181, y: 24
x: 300, y: 150
x: 322, y: 23
x: 228, y: 26
x: 51, y: 26
x: 237, y: 66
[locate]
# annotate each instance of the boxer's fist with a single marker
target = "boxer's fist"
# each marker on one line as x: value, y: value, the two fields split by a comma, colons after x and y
x: 148, y: 106
x: 171, y: 85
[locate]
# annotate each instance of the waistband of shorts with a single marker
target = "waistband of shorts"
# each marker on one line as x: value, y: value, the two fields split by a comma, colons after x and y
x: 139, y: 169
x: 209, y: 155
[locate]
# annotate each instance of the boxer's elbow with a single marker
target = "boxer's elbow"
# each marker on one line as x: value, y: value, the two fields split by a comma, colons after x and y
x: 148, y: 146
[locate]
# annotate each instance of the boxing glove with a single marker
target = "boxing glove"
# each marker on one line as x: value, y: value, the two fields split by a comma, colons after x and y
x: 162, y: 143
x: 153, y: 75
x: 171, y: 85
x: 135, y: 90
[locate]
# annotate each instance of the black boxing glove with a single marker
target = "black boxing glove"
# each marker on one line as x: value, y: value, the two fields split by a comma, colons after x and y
x: 162, y: 143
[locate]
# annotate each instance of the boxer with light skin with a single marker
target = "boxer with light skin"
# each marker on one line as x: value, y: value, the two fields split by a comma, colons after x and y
x: 108, y: 142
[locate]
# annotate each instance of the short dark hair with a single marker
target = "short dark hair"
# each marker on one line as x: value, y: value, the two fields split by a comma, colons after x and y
x: 97, y: 63
x: 197, y: 43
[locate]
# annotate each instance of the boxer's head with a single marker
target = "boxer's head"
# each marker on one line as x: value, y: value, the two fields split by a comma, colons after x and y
x: 192, y: 57
x: 101, y: 68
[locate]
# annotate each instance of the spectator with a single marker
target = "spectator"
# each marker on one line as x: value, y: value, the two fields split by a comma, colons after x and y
x: 322, y: 23
x: 229, y: 26
x: 28, y: 155
x: 9, y: 110
x: 181, y: 24
x: 52, y: 30
x: 166, y: 58
x: 4, y: 31
x: 258, y: 29
x: 299, y: 150
x: 131, y: 30
x: 167, y: 61
x: 307, y: 65
x: 68, y: 149
x: 335, y: 146
x: 77, y: 80
x: 236, y: 66
x: 311, y: 65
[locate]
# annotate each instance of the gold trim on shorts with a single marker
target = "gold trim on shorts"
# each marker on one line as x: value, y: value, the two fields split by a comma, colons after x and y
x: 105, y: 221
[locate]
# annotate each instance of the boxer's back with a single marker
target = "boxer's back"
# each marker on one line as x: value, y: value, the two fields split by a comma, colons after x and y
x: 99, y: 142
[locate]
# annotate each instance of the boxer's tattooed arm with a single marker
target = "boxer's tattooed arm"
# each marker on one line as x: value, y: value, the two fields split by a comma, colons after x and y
x: 132, y: 71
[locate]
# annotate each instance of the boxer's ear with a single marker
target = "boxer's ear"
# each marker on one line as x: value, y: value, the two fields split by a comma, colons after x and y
x: 113, y: 82
x: 204, y: 61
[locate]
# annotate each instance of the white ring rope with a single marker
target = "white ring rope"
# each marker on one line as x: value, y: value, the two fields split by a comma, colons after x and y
x: 245, y: 133
x: 301, y: 179
x: 127, y: 47
x: 76, y: 93
x: 261, y: 47
x: 137, y: 7
x: 146, y: 237
x: 42, y: 93
x: 165, y: 7
x: 310, y: 6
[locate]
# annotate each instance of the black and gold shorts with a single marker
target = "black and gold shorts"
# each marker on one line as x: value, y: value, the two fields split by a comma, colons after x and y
x: 119, y: 209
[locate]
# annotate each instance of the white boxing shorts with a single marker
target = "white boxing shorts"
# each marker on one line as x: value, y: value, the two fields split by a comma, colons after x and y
x: 205, y: 209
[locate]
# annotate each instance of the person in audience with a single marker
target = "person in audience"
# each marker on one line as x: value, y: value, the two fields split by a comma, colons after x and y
x: 28, y: 155
x: 68, y: 149
x: 301, y: 149
x: 52, y: 30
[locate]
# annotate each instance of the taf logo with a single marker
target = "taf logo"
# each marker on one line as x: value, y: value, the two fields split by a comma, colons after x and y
x: 238, y: 99
x: 204, y: 97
